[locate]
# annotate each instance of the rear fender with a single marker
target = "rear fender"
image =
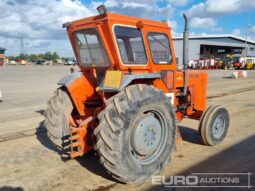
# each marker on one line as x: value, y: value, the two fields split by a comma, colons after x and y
x: 127, y: 79
x: 80, y: 90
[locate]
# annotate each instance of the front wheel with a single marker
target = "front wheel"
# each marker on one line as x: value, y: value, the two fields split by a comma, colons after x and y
x: 214, y: 125
x: 136, y: 133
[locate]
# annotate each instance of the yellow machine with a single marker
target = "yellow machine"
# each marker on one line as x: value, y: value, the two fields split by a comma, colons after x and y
x: 250, y: 64
x: 23, y: 62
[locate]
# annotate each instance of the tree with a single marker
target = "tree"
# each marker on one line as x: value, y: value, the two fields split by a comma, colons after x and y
x: 47, y: 56
x: 12, y: 58
x: 40, y: 56
x: 55, y: 56
x: 33, y: 57
x: 23, y: 56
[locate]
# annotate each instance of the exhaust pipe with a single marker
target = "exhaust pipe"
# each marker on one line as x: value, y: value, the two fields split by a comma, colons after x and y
x: 185, y: 53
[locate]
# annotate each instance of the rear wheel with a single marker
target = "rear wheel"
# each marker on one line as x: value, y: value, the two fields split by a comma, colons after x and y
x: 57, y: 115
x: 136, y: 133
x: 214, y: 125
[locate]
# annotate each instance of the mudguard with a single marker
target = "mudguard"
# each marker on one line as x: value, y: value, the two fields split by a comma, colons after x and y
x: 129, y: 78
x: 79, y: 88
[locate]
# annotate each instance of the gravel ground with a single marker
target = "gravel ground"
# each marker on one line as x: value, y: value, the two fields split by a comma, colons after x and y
x: 28, y: 161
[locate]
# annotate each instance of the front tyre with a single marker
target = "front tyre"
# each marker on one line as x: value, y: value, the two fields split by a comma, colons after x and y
x: 214, y: 125
x: 136, y: 133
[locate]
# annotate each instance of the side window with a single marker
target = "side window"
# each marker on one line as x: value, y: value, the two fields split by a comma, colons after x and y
x: 160, y: 48
x: 131, y: 45
x: 167, y: 77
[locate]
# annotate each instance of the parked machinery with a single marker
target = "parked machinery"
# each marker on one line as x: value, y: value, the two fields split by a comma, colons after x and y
x: 250, y: 63
x: 244, y: 63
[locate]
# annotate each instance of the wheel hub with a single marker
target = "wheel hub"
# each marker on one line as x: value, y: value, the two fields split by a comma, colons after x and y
x: 146, y: 135
x: 150, y: 136
x: 218, y: 126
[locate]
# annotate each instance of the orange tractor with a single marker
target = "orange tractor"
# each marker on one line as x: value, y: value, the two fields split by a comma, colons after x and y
x: 128, y: 96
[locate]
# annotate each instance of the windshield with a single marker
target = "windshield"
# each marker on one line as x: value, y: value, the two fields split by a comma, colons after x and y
x: 90, y: 49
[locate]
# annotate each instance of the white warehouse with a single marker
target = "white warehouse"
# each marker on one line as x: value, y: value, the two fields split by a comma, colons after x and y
x: 214, y: 46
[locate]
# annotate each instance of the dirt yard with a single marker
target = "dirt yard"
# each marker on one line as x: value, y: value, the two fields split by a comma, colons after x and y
x: 28, y: 161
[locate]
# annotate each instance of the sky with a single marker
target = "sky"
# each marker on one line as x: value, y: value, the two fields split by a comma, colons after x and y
x: 39, y: 22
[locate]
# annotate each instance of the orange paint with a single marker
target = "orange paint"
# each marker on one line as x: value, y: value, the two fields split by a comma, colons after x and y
x: 83, y: 89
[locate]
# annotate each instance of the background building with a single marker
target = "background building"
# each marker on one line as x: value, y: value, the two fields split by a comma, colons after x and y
x: 2, y: 56
x: 214, y: 46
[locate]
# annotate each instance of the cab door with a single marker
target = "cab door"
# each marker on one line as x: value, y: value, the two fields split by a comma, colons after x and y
x: 161, y: 56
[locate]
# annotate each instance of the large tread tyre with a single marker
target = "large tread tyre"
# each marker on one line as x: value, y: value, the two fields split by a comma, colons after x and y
x: 59, y: 109
x: 214, y: 125
x: 114, y: 133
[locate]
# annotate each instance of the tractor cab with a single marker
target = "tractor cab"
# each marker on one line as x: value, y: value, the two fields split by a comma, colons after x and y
x: 117, y: 42
x: 121, y: 42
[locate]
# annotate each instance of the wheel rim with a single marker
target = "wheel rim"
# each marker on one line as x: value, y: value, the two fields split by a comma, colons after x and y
x: 219, y: 126
x: 148, y: 136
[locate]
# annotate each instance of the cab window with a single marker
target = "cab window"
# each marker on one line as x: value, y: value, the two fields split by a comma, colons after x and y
x: 90, y: 49
x: 130, y: 45
x: 160, y: 48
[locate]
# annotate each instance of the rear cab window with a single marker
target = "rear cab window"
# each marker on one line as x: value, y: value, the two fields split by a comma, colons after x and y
x: 160, y: 48
x: 131, y: 45
x: 90, y: 49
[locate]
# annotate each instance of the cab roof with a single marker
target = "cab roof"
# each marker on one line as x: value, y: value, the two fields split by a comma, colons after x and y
x: 118, y: 18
